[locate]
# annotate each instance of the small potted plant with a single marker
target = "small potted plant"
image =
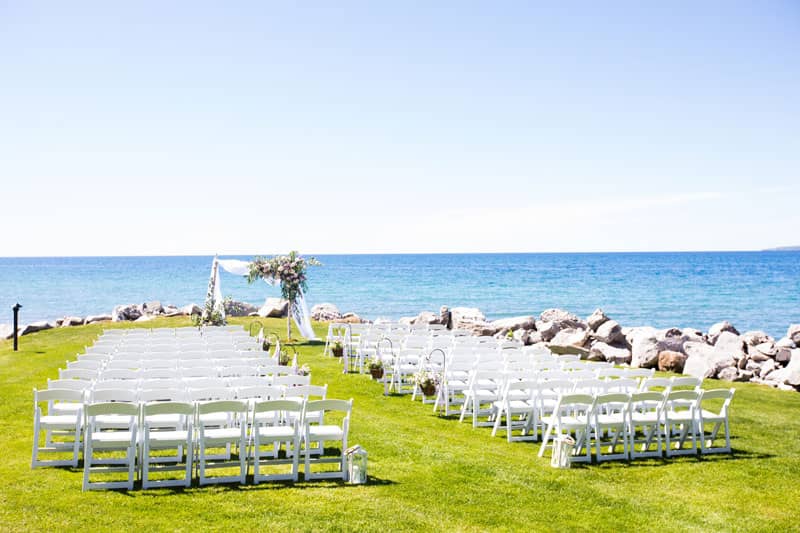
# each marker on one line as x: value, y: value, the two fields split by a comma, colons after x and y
x: 266, y: 345
x: 337, y: 349
x: 426, y: 381
x: 283, y: 358
x: 304, y: 370
x: 376, y: 368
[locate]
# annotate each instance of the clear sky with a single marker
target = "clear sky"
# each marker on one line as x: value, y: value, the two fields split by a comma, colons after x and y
x: 131, y: 128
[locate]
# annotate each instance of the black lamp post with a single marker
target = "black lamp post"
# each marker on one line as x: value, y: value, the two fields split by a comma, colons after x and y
x: 16, y: 309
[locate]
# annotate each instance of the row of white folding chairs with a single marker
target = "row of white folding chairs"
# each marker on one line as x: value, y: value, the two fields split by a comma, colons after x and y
x: 660, y: 423
x: 297, y: 424
x: 181, y: 383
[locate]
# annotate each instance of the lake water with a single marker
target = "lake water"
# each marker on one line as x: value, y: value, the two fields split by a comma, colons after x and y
x: 753, y: 290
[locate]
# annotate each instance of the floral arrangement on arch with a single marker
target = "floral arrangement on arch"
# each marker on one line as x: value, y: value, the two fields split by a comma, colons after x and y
x: 288, y: 270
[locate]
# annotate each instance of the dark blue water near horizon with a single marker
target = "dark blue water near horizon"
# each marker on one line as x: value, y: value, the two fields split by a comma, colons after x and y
x: 753, y: 290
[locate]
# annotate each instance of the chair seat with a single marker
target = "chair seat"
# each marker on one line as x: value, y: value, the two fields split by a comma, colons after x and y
x: 610, y: 420
x: 325, y: 432
x: 58, y: 421
x: 168, y: 437
x: 222, y: 434
x: 276, y: 432
x: 644, y: 418
x: 680, y: 417
x: 106, y: 439
x: 708, y: 416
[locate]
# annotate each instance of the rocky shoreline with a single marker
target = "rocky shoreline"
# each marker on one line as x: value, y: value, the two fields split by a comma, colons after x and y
x: 721, y: 353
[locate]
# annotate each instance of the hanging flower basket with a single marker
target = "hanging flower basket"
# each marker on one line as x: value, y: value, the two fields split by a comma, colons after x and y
x: 337, y: 349
x: 377, y: 373
x: 428, y: 389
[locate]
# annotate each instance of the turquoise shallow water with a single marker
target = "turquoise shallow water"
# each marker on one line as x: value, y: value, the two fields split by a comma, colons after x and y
x: 754, y: 290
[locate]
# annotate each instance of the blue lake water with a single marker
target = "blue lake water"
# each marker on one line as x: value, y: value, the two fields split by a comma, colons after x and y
x: 754, y: 290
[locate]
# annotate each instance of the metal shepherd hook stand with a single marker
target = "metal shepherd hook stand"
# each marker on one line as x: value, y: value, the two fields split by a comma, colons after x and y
x: 16, y: 309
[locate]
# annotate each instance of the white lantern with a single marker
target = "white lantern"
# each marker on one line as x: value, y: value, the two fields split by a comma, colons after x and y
x: 562, y: 452
x: 356, y: 462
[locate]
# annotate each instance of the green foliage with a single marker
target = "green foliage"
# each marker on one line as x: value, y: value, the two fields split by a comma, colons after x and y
x: 425, y: 472
x: 209, y: 317
x: 288, y: 270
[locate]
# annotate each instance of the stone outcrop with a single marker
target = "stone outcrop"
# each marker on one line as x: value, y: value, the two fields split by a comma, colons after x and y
x: 793, y: 333
x: 513, y: 324
x: 191, y: 309
x: 601, y: 351
x: 609, y: 332
x: 715, y: 330
x: 234, y: 308
x: 326, y: 312
x: 91, y: 319
x: 644, y: 349
x: 669, y: 361
x: 596, y: 319
x: 122, y: 313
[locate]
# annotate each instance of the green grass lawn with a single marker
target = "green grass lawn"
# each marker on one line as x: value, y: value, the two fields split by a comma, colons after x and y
x: 426, y: 472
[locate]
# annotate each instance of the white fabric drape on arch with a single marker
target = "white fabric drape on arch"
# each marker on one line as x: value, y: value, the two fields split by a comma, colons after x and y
x: 300, y: 314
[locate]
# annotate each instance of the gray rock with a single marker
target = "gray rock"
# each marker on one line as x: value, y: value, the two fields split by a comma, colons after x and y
x: 609, y: 332
x: 793, y: 333
x: 753, y: 338
x: 514, y: 323
x: 569, y: 350
x: 426, y: 317
x: 706, y: 361
x: 601, y: 351
x: 126, y: 312
x: 234, y: 308
x: 715, y: 330
x: 352, y: 318
x: 570, y: 337
x: 91, y: 319
x: 669, y: 333
x: 596, y: 319
x: 639, y: 331
x: 523, y: 336
x: 785, y: 342
x: 767, y: 349
x: 325, y: 312
x: 691, y: 334
x: 766, y: 367
x: 34, y: 327
x: 790, y: 375
x: 783, y: 355
x: 669, y: 361
x: 547, y: 330
x: 145, y: 318
x: 731, y: 344
x: 191, y: 309
x: 563, y: 319
x: 171, y: 310
x: 728, y: 374
x: 68, y: 321
x: 534, y: 337
x: 152, y: 308
x: 744, y: 375
x: 644, y: 351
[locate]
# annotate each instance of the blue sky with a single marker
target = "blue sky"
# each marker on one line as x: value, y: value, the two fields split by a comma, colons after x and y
x: 258, y: 127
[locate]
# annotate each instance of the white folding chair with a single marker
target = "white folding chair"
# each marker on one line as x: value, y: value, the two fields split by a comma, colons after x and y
x: 644, y: 424
x: 570, y: 417
x: 609, y: 425
x: 228, y: 430
x: 711, y: 413
x: 177, y: 435
x: 679, y: 420
x: 517, y: 401
x: 315, y: 431
x: 101, y: 438
x: 65, y: 424
x: 272, y: 426
x: 485, y: 387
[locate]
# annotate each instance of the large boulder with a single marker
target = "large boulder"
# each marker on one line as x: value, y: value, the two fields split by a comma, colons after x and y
x: 152, y: 308
x: 601, y: 351
x: 234, y: 308
x: 785, y: 342
x: 782, y: 355
x: 754, y: 338
x: 669, y: 361
x: 125, y: 312
x: 728, y: 374
x: 639, y: 331
x: 705, y: 361
x: 644, y: 350
x: 171, y: 310
x: 274, y: 307
x: 715, y: 330
x: 191, y: 309
x: 514, y: 323
x: 466, y: 316
x: 609, y: 332
x: 34, y: 327
x: 352, y: 318
x: 547, y: 330
x: 596, y: 319
x: 570, y: 337
x: 790, y: 375
x: 325, y: 312
x: 563, y: 319
x: 68, y: 321
x: 691, y: 334
x: 427, y: 317
x: 729, y: 343
x: 794, y: 334
x: 91, y: 319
